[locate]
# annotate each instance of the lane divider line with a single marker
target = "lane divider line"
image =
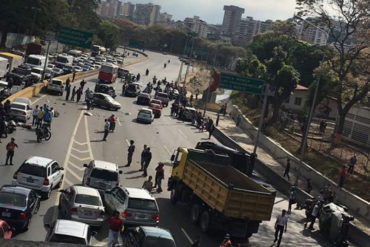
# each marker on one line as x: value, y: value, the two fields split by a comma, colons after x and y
x: 79, y: 143
x: 78, y: 158
x: 187, y: 236
x: 88, y: 138
x: 76, y: 166
x: 80, y: 151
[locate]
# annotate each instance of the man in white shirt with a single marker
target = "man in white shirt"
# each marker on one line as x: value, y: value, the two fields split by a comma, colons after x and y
x: 314, y: 214
x: 35, y: 114
x: 280, y: 224
x: 106, y: 129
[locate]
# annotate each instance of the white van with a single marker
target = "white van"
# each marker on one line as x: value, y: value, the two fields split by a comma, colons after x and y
x: 4, y: 67
x: 63, y: 60
x: 36, y: 61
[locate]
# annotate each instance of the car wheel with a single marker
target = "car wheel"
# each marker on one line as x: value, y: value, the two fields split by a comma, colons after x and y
x: 26, y: 224
x: 205, y: 220
x: 173, y: 196
x: 195, y: 212
x: 48, y: 194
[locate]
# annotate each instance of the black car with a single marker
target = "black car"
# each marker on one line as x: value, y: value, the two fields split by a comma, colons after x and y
x: 143, y: 99
x: 4, y: 93
x: 105, y: 101
x: 19, y: 74
x: 132, y: 90
x: 122, y: 73
x: 144, y: 236
x: 102, y: 88
x: 18, y: 205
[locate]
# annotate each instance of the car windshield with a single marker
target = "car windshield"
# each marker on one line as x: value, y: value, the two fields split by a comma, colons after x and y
x: 37, y: 71
x: 56, y: 83
x: 21, y: 71
x: 131, y: 87
x: 33, y: 170
x: 162, y: 242
x: 62, y: 60
x: 33, y: 61
x: 87, y: 199
x: 18, y: 106
x: 57, y: 238
x: 142, y: 204
x: 104, y: 174
x: 12, y: 199
x: 144, y: 114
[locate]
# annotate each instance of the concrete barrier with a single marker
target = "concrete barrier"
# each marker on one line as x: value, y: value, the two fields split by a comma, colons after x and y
x: 355, y: 234
x: 135, y: 50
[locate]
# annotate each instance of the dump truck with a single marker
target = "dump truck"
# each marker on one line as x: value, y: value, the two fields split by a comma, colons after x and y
x: 219, y: 196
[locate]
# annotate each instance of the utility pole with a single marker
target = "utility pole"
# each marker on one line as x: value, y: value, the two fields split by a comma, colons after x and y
x: 46, y: 62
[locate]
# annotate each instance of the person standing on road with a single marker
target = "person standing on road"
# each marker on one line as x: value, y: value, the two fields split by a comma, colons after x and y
x: 131, y: 150
x: 79, y: 93
x: 292, y: 198
x: 68, y: 89
x: 352, y: 163
x: 218, y: 118
x: 82, y: 84
x: 287, y: 168
x: 159, y: 175
x: 106, y: 129
x: 147, y: 159
x: 73, y: 93
x: 115, y: 227
x: 314, y: 214
x: 342, y: 175
x: 142, y: 160
x: 211, y: 128
x: 73, y: 75
x: 281, y: 225
x: 35, y: 115
x: 10, y: 147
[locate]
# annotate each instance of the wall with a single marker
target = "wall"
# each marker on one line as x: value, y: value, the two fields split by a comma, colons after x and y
x: 303, y: 94
x: 16, y: 39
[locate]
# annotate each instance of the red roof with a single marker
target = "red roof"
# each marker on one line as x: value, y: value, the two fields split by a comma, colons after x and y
x: 301, y: 88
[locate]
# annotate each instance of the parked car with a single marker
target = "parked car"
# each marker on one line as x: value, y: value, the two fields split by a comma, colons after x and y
x: 106, y: 101
x: 163, y: 97
x: 56, y: 86
x: 19, y: 74
x: 137, y: 206
x: 103, y: 88
x: 188, y: 113
x: 77, y: 68
x: 18, y: 205
x: 68, y: 69
x: 157, y: 109
x: 144, y: 236
x: 6, y: 231
x: 58, y: 71
x: 40, y: 174
x: 20, y: 111
x: 132, y: 90
x: 23, y: 100
x: 82, y: 204
x: 145, y: 115
x: 69, y: 232
x: 101, y: 175
x: 156, y: 101
x: 143, y: 99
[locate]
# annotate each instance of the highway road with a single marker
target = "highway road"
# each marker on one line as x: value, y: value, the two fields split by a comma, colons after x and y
x: 77, y: 138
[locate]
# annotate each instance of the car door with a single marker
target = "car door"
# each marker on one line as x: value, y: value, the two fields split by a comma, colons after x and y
x: 31, y: 204
x: 105, y: 102
x: 56, y: 174
x: 66, y: 201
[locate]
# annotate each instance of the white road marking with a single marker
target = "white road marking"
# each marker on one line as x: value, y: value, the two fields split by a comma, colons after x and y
x: 37, y: 100
x: 76, y: 166
x: 182, y: 133
x: 71, y: 172
x: 168, y: 151
x: 80, y: 151
x: 79, y: 143
x: 78, y: 158
x: 119, y: 122
x: 187, y: 236
x: 88, y: 139
x: 128, y: 143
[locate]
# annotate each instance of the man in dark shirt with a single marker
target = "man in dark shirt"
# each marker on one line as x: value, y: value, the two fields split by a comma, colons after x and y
x: 147, y: 159
x: 131, y: 150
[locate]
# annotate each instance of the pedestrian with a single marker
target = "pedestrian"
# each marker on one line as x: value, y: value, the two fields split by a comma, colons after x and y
x: 147, y: 159
x: 79, y: 93
x: 281, y: 225
x: 309, y: 186
x: 314, y: 214
x: 196, y: 242
x: 106, y: 129
x: 115, y: 227
x: 211, y: 128
x: 73, y: 93
x: 225, y: 107
x: 191, y: 99
x: 238, y: 119
x: 196, y: 93
x: 2, y: 126
x: 292, y: 198
x: 73, y: 75
x: 10, y: 147
x: 40, y: 117
x: 218, y: 118
x: 342, y: 175
x: 68, y: 89
x: 287, y: 168
x: 159, y: 175
x: 131, y: 150
x: 142, y: 160
x: 148, y: 184
x: 47, y: 117
x: 35, y: 114
x: 82, y: 84
x: 226, y: 242
x: 352, y: 163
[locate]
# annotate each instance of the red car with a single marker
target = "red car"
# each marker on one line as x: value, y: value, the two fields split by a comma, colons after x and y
x: 156, y: 101
x: 157, y: 109
x: 6, y: 231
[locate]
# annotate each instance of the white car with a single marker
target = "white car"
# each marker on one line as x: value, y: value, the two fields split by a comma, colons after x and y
x: 20, y: 111
x: 69, y: 232
x: 56, y: 86
x: 40, y: 174
x: 37, y: 72
x: 145, y: 115
x: 23, y: 100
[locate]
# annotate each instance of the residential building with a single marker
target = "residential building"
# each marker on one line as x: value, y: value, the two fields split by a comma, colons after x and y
x: 197, y: 26
x: 146, y: 14
x: 248, y: 28
x: 154, y: 15
x: 297, y: 101
x: 265, y: 26
x: 128, y: 10
x: 109, y: 8
x: 214, y: 32
x: 357, y: 126
x: 232, y: 17
x: 164, y: 19
x: 312, y: 34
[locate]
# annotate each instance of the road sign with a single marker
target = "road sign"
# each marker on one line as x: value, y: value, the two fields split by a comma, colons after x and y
x: 74, y: 37
x: 241, y: 83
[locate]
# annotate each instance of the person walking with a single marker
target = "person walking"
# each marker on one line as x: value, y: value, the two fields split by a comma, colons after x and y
x: 73, y: 75
x: 148, y: 184
x: 115, y: 227
x: 342, y: 175
x: 106, y: 129
x: 287, y: 169
x: 314, y: 214
x: 281, y: 225
x: 35, y: 114
x: 79, y: 92
x: 131, y: 150
x: 196, y: 93
x: 82, y: 84
x: 147, y: 159
x: 10, y: 147
x: 352, y: 163
x: 142, y: 160
x: 217, y: 118
x: 73, y: 93
x: 211, y: 128
x: 68, y: 88
x: 292, y: 198
x: 159, y: 175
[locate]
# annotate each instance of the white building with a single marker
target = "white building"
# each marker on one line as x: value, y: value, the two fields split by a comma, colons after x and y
x: 297, y: 100
x: 314, y: 35
x: 128, y: 10
x: 197, y: 26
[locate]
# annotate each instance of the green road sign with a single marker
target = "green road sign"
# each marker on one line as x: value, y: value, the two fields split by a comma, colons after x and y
x: 74, y: 37
x: 241, y: 83
x: 136, y: 44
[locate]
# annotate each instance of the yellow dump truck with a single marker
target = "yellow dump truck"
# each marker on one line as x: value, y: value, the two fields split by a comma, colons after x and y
x: 220, y: 196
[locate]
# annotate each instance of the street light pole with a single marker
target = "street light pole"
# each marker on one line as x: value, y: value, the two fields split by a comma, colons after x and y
x: 46, y: 62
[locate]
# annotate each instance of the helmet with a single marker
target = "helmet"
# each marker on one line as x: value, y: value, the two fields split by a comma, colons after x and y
x: 227, y: 236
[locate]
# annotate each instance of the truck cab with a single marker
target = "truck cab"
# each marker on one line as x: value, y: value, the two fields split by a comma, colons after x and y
x: 36, y: 61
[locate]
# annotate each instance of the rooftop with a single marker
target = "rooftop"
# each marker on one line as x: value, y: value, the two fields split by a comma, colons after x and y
x: 71, y: 228
x: 105, y: 165
x: 139, y: 193
x: 40, y: 161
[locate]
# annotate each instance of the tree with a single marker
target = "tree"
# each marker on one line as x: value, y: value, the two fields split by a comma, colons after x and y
x: 108, y: 34
x: 346, y: 29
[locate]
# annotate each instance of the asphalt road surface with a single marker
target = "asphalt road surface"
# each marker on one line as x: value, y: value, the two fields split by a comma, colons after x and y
x: 77, y: 138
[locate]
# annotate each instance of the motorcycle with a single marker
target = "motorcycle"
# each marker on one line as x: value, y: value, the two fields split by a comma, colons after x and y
x: 43, y: 133
x: 10, y: 127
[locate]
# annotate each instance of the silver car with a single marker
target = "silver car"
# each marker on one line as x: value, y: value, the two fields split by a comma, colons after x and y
x: 69, y: 232
x: 82, y: 204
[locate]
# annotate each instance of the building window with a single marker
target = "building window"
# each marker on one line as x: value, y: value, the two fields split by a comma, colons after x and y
x: 298, y: 101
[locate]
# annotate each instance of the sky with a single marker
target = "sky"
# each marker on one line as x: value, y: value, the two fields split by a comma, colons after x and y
x: 212, y: 12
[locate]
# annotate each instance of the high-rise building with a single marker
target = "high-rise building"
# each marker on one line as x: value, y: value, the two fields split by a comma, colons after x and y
x: 232, y: 17
x: 164, y: 19
x: 248, y: 28
x: 109, y: 8
x: 197, y: 26
x: 146, y: 14
x: 154, y: 15
x: 314, y: 35
x: 128, y: 10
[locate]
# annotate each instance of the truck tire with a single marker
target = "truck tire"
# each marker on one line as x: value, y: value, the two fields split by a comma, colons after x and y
x: 173, y: 196
x: 205, y: 221
x: 194, y: 213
